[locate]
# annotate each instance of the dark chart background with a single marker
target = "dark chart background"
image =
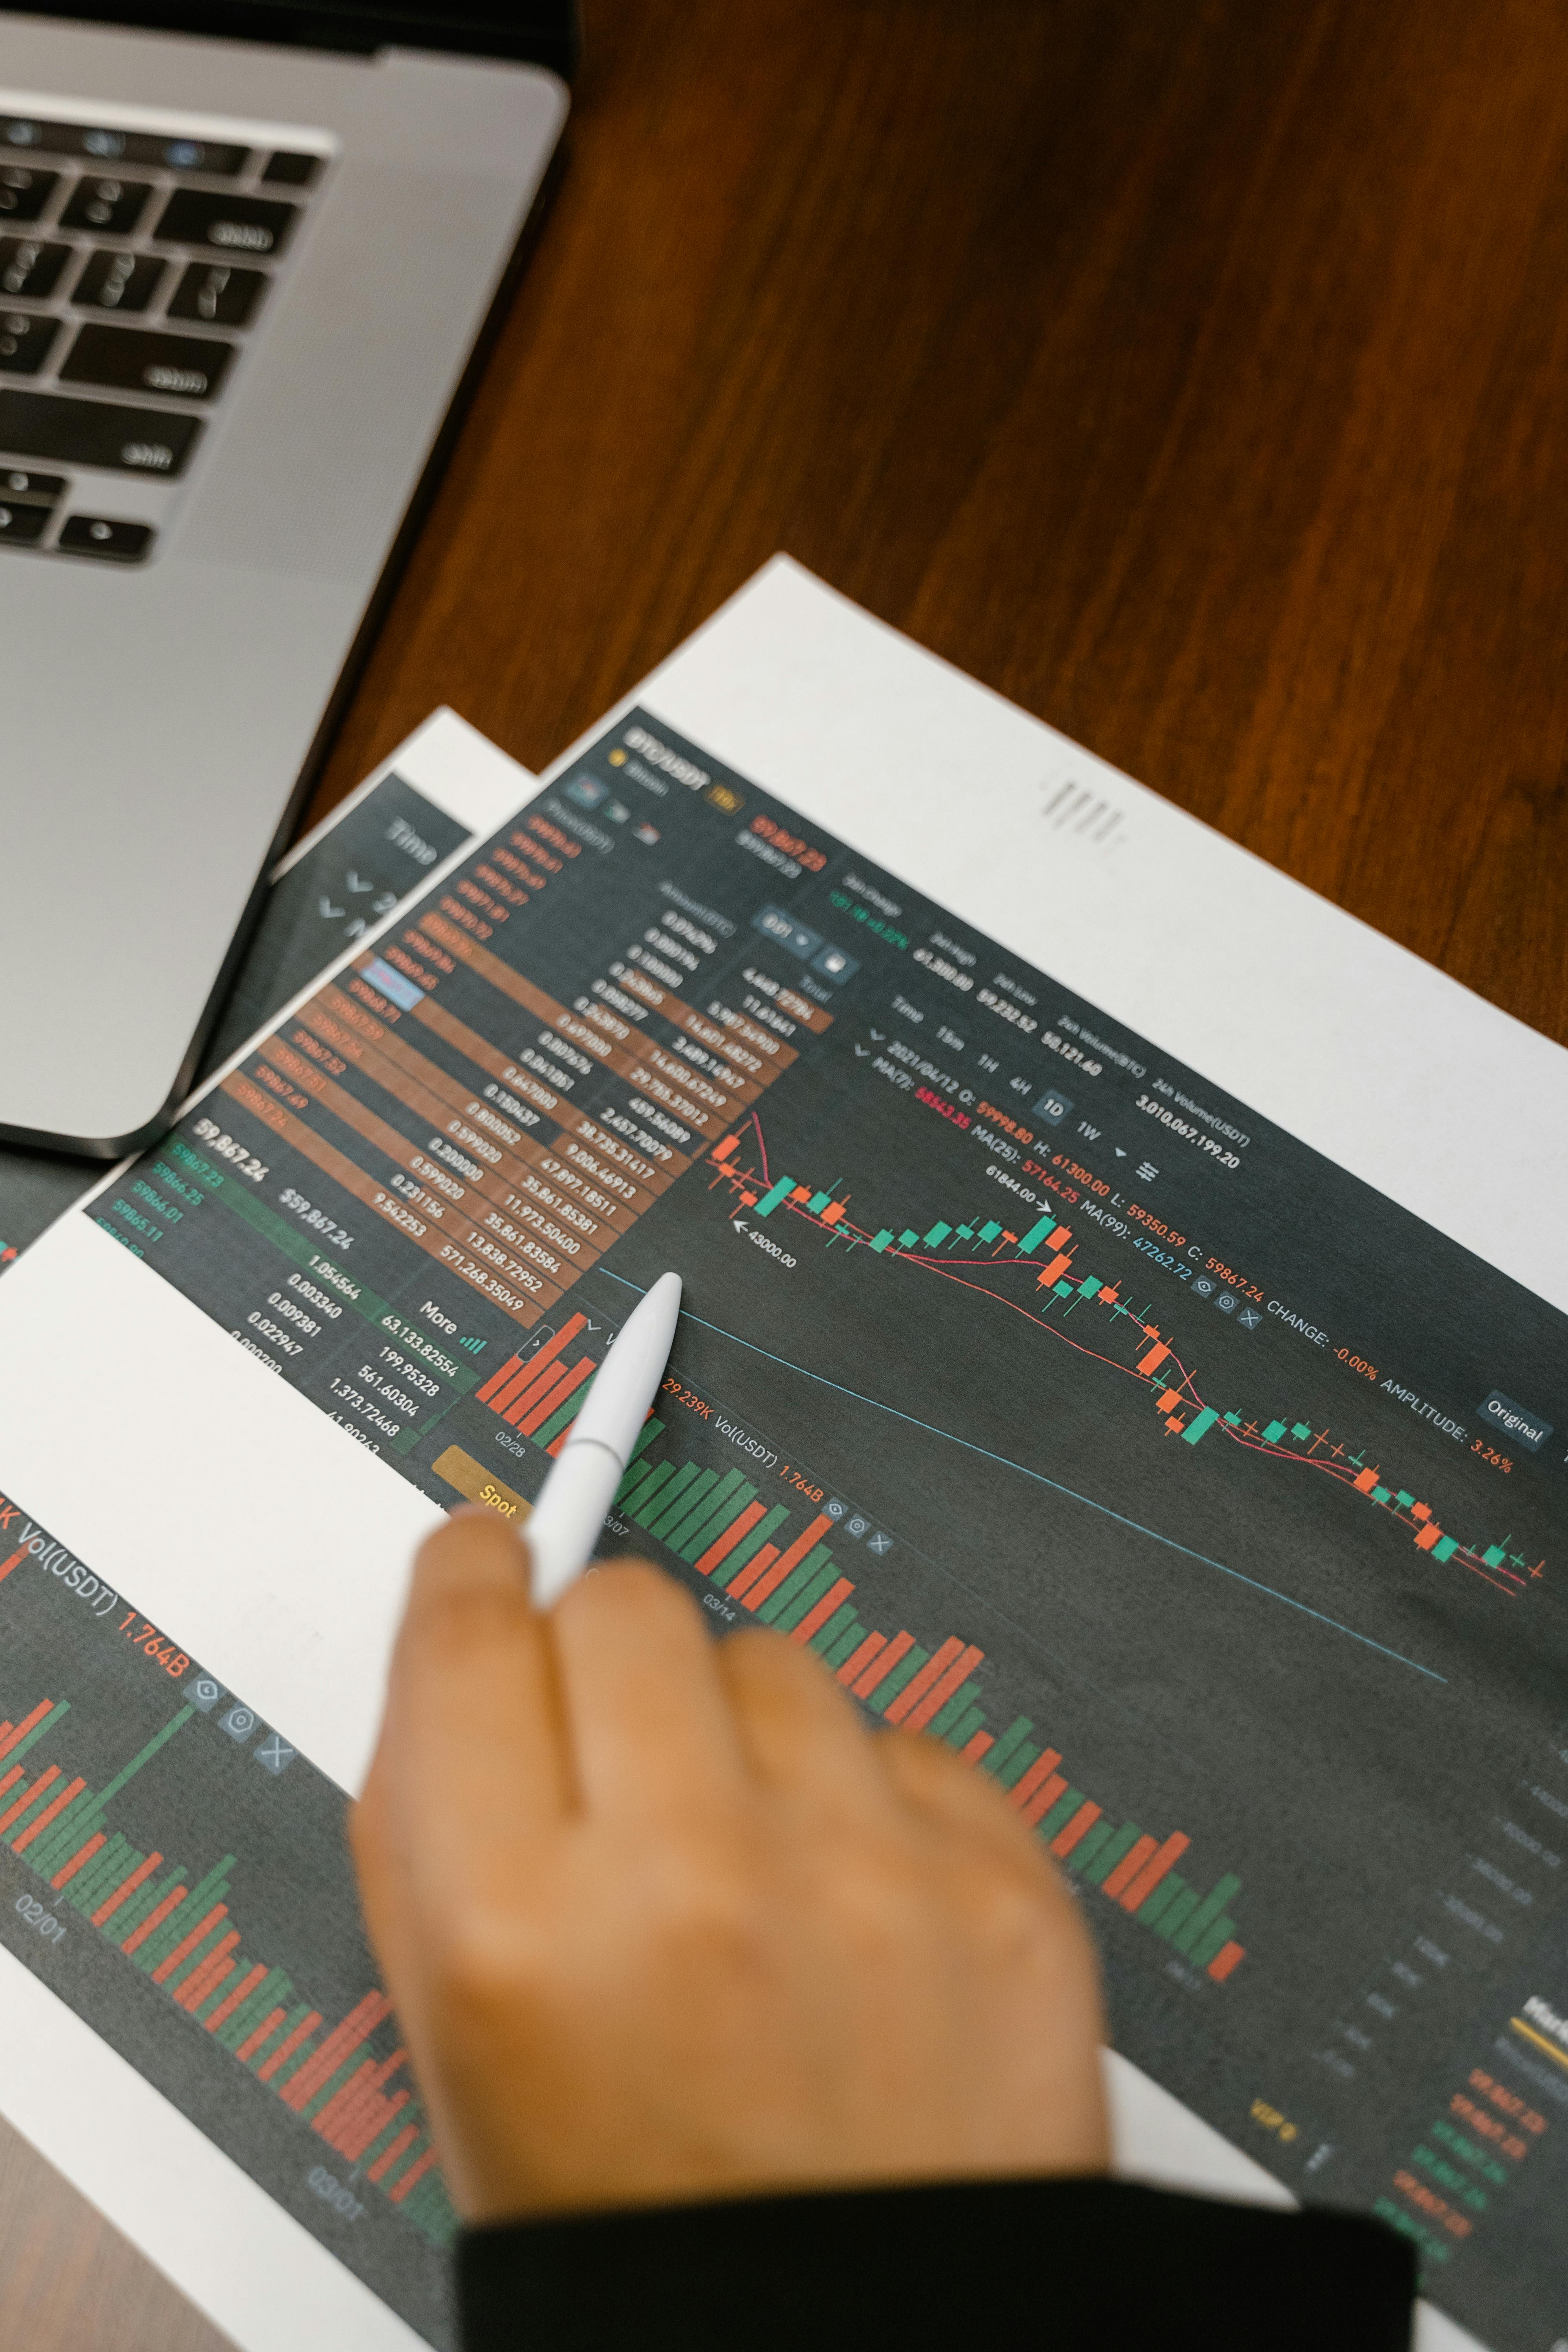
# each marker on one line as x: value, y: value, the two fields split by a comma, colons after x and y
x: 177, y: 1872
x: 1069, y: 1410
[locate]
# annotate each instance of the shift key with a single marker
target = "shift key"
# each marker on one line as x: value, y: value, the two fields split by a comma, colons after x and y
x: 91, y: 433
x: 133, y: 359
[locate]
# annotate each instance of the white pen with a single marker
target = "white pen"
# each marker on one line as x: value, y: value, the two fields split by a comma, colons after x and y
x: 565, y: 1523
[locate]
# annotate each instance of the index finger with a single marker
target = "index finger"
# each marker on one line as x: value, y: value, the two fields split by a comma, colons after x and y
x: 471, y: 1767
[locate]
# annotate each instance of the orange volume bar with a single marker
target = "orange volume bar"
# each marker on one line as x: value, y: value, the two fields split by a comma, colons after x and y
x: 388, y: 2157
x: 820, y: 1527
x: 1140, y: 1888
x: 14, y: 1562
x: 187, y: 1944
x: 21, y: 1729
x: 880, y: 1667
x: 1084, y: 1818
x: 286, y: 2047
x: 231, y: 2000
x: 263, y: 2033
x: 815, y: 1617
x: 1229, y: 1957
x: 1040, y: 1803
x: 1154, y: 1357
x: 758, y: 1565
x: 1040, y: 1769
x: 973, y: 1750
x: 1116, y: 1881
x: 915, y: 1689
x: 83, y: 1854
x: 209, y: 1974
x: 127, y: 1886
x: 498, y: 1380
x: 491, y: 1392
x: 41, y: 1821
x: 557, y: 1397
x: 344, y: 2104
x: 357, y: 2026
x: 372, y: 2121
x: 35, y: 1789
x: 154, y: 1919
x: 364, y: 2118
x: 415, y: 2171
x: 936, y: 1697
x: 722, y: 1545
x: 860, y: 1658
x: 522, y: 1397
x: 341, y: 2110
x: 12, y: 1777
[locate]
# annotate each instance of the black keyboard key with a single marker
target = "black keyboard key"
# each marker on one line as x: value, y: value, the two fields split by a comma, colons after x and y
x: 133, y: 359
x: 109, y: 146
x: 21, y: 526
x: 25, y: 340
x: 91, y: 433
x: 29, y: 268
x: 194, y: 155
x: 233, y: 224
x: 288, y: 169
x: 21, y: 490
x: 111, y: 542
x: 118, y: 281
x: 211, y: 290
x: 113, y: 206
x: 24, y: 194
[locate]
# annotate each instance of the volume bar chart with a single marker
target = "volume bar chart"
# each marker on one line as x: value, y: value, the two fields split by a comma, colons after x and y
x: 774, y: 1559
x: 182, y: 1882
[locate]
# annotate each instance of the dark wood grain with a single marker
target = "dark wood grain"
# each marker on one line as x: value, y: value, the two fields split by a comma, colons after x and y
x: 1191, y: 371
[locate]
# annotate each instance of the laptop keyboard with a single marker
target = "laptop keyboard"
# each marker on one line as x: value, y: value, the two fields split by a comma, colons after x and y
x: 133, y: 267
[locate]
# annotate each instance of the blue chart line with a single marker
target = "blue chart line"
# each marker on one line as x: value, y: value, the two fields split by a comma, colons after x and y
x: 1253, y: 1583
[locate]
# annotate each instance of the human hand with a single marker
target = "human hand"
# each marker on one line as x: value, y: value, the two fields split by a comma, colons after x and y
x: 663, y: 1920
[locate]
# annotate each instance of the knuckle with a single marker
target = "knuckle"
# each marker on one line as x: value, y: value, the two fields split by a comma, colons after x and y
x: 460, y: 1618
x: 487, y: 1966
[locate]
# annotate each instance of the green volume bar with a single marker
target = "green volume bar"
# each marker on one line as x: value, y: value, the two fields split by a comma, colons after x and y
x: 640, y: 1485
x: 751, y: 1543
x: 547, y: 1435
x: 1017, y: 1731
x: 677, y: 1501
x: 703, y: 1512
x: 652, y: 1506
x: 1209, y: 1910
x: 696, y: 1539
x: 828, y: 1637
x: 804, y: 1584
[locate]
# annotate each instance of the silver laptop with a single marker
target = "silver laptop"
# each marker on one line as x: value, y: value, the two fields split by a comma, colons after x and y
x: 243, y: 281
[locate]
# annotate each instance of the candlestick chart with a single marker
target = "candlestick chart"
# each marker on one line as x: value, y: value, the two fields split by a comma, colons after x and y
x: 1043, y: 1273
x: 1146, y: 1456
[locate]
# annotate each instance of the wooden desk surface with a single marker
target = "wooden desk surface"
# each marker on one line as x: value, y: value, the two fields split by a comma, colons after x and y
x: 1192, y: 376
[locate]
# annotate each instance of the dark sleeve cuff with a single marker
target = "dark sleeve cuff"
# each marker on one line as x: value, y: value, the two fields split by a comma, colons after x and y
x: 1061, y: 2263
